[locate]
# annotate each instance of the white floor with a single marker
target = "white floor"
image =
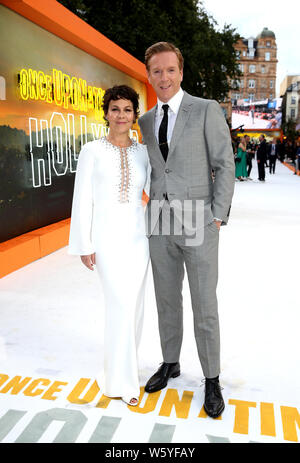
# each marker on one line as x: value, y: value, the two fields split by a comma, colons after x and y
x: 239, y: 119
x: 52, y: 313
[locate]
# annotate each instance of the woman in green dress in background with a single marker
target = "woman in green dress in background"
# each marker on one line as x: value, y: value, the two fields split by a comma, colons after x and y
x: 241, y: 161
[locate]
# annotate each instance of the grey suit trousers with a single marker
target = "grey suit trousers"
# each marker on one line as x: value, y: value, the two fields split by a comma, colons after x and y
x: 170, y: 256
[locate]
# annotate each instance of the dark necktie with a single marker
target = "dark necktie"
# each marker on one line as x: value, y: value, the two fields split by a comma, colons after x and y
x: 162, y: 133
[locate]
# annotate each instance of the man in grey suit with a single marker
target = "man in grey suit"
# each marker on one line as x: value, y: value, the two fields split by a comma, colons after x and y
x: 191, y: 156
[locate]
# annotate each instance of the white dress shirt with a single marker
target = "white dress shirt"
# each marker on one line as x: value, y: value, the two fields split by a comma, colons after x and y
x: 174, y: 104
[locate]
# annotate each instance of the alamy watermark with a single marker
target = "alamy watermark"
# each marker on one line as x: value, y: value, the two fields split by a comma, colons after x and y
x: 177, y: 217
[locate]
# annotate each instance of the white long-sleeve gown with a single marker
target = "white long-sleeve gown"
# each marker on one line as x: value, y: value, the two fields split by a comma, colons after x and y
x: 108, y: 219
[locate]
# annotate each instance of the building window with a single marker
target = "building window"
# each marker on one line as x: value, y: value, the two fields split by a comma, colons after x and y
x: 251, y: 83
x: 293, y: 100
x: 251, y: 96
x: 293, y: 113
x: 241, y: 67
x: 244, y: 53
x: 252, y: 68
x: 267, y: 56
x: 268, y: 44
x: 271, y: 83
x: 263, y: 69
x: 236, y: 84
x: 238, y: 54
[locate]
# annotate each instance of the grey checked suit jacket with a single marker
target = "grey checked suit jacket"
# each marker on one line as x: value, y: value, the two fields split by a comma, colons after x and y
x: 200, y: 143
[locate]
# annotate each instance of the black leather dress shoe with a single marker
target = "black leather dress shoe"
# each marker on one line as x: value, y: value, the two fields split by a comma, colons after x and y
x: 160, y: 379
x: 213, y: 402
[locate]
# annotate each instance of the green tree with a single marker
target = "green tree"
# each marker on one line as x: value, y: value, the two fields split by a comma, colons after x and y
x: 210, y: 63
x: 289, y: 129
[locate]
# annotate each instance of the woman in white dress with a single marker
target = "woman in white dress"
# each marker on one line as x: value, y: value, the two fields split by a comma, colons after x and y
x: 108, y: 230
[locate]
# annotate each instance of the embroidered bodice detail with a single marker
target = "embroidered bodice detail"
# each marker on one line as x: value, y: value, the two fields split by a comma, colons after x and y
x: 108, y: 190
x: 125, y: 176
x: 125, y: 169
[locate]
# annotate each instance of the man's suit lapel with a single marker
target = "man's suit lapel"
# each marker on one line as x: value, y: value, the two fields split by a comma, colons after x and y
x: 151, y: 124
x: 182, y: 117
x: 151, y: 132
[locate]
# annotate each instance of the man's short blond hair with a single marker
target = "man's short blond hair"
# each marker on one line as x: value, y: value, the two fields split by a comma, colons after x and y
x: 160, y: 47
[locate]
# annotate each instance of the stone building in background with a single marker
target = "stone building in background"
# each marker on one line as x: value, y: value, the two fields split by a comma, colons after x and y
x: 257, y: 58
x: 290, y: 93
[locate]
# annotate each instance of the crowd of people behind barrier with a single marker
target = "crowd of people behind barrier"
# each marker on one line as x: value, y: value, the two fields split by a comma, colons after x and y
x: 247, y: 149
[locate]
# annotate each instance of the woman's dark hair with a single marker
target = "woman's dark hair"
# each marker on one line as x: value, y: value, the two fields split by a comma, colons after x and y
x: 121, y: 92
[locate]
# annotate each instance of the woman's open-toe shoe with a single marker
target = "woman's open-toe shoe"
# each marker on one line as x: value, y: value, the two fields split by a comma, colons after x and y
x: 132, y: 401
